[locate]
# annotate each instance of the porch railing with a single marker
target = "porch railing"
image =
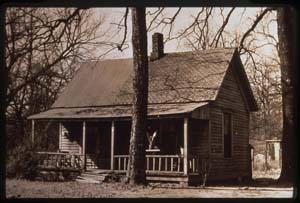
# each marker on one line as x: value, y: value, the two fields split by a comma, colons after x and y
x: 163, y: 163
x: 199, y: 164
x: 154, y: 163
x: 121, y: 162
x: 55, y: 160
x: 193, y: 166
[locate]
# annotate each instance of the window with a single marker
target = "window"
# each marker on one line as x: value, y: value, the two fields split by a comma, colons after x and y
x: 227, y: 133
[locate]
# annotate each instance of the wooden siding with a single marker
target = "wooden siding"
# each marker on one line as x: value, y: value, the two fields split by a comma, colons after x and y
x: 71, y: 138
x: 198, y: 138
x: 230, y: 99
x: 201, y: 113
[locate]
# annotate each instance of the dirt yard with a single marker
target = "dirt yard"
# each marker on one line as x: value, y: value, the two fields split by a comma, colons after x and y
x: 35, y: 189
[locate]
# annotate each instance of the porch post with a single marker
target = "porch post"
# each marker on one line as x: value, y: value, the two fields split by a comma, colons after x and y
x: 83, y: 142
x: 185, y: 146
x: 60, y: 136
x: 112, y: 148
x: 32, y: 131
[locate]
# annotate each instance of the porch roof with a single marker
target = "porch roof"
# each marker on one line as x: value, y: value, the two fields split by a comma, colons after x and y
x: 120, y: 111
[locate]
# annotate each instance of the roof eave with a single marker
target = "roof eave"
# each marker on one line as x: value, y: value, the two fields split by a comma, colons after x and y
x: 252, y: 104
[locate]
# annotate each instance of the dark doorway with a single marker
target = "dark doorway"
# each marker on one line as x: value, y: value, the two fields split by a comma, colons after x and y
x: 122, y: 137
x: 171, y: 133
x: 98, y: 144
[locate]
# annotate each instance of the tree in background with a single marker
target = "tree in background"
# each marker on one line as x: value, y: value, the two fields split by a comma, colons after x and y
x: 44, y: 47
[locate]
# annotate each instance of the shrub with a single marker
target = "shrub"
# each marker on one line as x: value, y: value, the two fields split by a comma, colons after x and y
x: 22, y: 162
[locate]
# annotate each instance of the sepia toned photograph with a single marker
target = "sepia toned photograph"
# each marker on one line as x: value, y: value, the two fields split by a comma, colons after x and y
x: 148, y: 102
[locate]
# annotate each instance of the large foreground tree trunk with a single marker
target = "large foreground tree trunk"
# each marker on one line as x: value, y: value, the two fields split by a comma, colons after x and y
x: 3, y: 91
x: 284, y: 20
x: 136, y: 173
x: 3, y: 81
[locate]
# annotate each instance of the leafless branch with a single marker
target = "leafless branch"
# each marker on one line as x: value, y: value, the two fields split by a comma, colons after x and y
x: 256, y: 21
x: 125, y: 30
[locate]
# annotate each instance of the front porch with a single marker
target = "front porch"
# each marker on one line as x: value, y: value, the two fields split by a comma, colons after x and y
x: 177, y: 149
x: 158, y: 167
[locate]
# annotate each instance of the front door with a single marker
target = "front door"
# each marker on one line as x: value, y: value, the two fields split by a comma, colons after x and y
x: 104, y: 145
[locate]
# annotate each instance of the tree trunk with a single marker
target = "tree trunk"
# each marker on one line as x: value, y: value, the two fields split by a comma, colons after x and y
x: 3, y: 82
x: 284, y: 21
x: 136, y: 173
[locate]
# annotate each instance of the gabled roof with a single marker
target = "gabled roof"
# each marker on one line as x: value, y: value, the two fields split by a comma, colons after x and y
x: 176, y: 78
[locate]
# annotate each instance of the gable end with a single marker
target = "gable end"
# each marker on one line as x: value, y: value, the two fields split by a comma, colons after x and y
x: 244, y: 82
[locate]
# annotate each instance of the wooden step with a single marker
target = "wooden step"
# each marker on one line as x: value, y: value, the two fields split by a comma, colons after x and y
x: 94, y: 176
x: 167, y: 178
x: 87, y: 181
x: 97, y: 171
x: 91, y: 179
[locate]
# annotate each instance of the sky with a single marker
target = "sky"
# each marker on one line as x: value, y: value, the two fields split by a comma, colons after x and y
x: 240, y: 20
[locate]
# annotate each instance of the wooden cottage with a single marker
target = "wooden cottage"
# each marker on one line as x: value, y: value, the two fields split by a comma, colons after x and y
x: 198, y: 116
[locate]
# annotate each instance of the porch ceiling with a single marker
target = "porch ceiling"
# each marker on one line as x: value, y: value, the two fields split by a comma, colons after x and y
x: 116, y: 111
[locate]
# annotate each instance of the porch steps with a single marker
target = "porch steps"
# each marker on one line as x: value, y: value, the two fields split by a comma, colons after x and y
x: 93, y: 176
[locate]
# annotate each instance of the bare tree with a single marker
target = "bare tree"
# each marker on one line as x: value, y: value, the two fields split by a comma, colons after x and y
x: 285, y: 36
x: 198, y: 34
x: 136, y: 173
x: 44, y: 46
x: 267, y: 122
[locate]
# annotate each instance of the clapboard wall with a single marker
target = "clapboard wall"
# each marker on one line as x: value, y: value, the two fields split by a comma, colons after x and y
x: 198, y: 138
x: 71, y: 137
x: 230, y: 99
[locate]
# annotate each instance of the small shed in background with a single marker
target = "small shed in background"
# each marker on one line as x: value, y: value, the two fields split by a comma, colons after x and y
x: 273, y: 154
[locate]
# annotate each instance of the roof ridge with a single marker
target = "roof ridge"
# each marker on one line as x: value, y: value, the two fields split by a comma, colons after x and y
x: 167, y: 53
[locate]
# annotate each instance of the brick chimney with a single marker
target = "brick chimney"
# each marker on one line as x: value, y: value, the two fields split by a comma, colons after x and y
x: 157, y: 46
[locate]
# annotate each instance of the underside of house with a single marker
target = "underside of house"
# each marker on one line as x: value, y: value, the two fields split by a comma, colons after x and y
x: 198, y: 118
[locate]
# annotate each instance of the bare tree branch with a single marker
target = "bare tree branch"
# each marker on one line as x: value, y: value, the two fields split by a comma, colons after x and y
x: 125, y: 30
x: 256, y: 21
x: 220, y: 31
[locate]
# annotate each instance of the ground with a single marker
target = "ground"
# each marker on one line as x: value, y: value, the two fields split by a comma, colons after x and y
x: 36, y: 189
